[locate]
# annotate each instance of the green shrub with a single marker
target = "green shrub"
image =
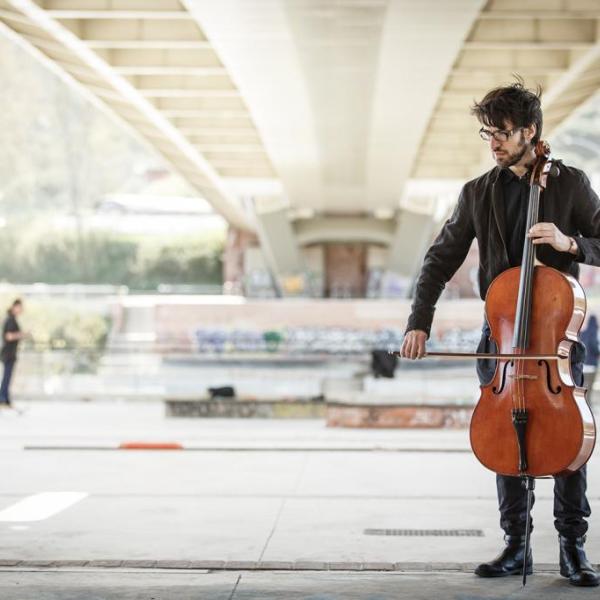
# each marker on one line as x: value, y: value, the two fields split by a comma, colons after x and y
x: 56, y: 257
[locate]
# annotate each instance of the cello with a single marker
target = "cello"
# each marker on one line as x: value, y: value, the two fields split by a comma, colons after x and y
x: 532, y: 420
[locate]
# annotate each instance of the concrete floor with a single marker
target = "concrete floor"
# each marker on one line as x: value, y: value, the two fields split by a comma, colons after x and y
x: 278, y: 586
x: 256, y: 505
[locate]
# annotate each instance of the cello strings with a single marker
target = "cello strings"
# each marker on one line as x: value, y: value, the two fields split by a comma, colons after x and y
x: 523, y: 317
x: 528, y: 264
x: 530, y: 275
x: 535, y: 219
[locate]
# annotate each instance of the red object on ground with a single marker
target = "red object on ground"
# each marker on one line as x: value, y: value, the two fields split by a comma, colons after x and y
x: 150, y: 446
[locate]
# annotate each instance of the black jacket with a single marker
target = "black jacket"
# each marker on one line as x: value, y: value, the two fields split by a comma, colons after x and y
x: 568, y: 201
x: 8, y: 352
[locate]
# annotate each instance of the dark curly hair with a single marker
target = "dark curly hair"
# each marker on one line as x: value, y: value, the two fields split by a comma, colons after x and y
x: 514, y: 103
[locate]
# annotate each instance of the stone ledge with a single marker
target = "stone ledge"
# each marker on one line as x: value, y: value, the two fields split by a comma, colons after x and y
x: 173, y: 564
x: 276, y: 565
x: 241, y: 565
x: 74, y: 563
x: 207, y: 564
x: 292, y: 408
x: 398, y: 416
x: 310, y: 565
x: 248, y: 565
x: 141, y: 564
x: 105, y: 564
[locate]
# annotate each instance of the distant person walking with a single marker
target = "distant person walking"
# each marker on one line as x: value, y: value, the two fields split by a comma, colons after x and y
x: 11, y: 336
x: 589, y: 338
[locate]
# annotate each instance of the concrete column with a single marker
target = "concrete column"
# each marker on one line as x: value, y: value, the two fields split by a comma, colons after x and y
x: 410, y: 242
x: 346, y: 270
x: 236, y: 245
x: 280, y: 248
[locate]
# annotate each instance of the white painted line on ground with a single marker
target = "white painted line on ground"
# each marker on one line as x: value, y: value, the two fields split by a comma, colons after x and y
x: 40, y: 506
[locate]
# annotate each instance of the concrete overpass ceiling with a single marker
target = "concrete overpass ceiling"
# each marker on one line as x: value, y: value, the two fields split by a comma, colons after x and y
x: 152, y: 65
x: 340, y: 90
x: 339, y: 228
x: 421, y: 40
x: 257, y: 43
x: 338, y: 47
x: 334, y: 105
x: 553, y: 43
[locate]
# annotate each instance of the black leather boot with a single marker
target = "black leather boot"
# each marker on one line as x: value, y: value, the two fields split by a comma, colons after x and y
x: 509, y: 561
x: 574, y: 563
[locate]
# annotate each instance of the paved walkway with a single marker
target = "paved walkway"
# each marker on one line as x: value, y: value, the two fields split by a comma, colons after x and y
x: 261, y: 509
x: 175, y: 585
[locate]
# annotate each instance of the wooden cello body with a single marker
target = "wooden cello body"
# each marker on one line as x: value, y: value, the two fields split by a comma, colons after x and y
x: 531, y: 419
x: 560, y: 431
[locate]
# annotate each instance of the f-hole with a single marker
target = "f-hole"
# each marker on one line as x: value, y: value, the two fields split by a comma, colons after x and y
x: 496, y: 390
x: 558, y: 388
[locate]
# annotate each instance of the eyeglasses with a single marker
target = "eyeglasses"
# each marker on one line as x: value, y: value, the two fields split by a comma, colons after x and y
x: 501, y: 135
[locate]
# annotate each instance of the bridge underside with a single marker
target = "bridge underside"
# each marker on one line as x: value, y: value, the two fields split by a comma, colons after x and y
x: 333, y: 136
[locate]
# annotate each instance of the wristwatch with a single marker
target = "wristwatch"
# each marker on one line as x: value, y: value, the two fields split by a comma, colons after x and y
x: 573, y: 248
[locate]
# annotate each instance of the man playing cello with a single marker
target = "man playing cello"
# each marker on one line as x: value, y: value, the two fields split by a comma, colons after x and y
x: 493, y: 209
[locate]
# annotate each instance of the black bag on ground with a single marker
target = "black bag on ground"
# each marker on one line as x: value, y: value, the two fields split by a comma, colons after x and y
x: 383, y: 364
x: 225, y: 391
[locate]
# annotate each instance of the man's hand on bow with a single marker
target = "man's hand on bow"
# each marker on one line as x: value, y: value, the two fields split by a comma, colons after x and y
x: 413, y: 345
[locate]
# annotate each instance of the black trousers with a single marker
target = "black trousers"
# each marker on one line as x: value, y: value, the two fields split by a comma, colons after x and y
x: 9, y: 366
x: 571, y: 507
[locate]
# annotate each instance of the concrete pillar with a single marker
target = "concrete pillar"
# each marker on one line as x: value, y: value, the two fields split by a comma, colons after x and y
x: 345, y: 270
x: 280, y: 248
x: 236, y: 245
x: 410, y: 242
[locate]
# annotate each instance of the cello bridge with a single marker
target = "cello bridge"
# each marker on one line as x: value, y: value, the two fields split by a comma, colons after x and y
x: 523, y: 377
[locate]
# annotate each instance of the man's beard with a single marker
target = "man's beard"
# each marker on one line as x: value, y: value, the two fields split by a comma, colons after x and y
x: 512, y: 159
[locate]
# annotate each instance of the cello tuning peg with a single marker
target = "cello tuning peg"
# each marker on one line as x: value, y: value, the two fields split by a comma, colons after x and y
x: 554, y: 170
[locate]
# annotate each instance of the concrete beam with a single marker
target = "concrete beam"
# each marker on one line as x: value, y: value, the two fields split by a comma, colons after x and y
x: 409, y: 81
x: 256, y: 43
x: 557, y: 49
x: 410, y: 242
x: 155, y: 5
x: 120, y: 14
x: 148, y: 44
x: 319, y: 230
x: 280, y: 247
x: 51, y: 38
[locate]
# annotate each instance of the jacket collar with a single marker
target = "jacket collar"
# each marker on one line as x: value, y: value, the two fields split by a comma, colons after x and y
x: 498, y: 207
x: 495, y: 174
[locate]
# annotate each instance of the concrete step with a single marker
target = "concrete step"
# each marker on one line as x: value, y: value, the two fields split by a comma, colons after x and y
x: 422, y: 582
